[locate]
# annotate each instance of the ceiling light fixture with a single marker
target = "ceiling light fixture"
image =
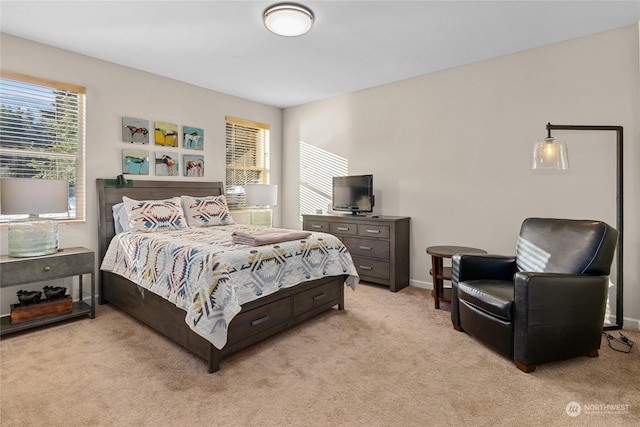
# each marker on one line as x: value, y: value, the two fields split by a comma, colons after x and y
x: 288, y: 19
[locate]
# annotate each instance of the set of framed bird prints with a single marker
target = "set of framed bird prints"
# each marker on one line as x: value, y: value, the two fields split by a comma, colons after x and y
x: 136, y: 161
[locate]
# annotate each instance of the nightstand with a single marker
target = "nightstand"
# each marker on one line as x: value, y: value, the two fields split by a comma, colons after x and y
x: 64, y: 263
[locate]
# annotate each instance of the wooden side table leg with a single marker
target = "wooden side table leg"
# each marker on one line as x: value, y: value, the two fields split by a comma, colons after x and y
x: 436, y: 271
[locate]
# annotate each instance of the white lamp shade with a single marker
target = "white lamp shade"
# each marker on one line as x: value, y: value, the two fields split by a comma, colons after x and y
x: 261, y: 194
x: 288, y: 19
x: 33, y: 196
x: 550, y: 154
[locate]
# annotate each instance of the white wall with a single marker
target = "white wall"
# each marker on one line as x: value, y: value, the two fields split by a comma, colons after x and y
x: 114, y: 91
x: 452, y: 149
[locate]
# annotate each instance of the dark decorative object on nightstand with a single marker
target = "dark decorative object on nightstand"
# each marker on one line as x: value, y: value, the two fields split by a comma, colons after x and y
x: 28, y: 297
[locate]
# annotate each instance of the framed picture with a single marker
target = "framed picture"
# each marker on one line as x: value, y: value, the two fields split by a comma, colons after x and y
x: 166, y: 134
x: 135, y: 162
x: 193, y: 165
x: 192, y: 138
x: 167, y: 164
x: 135, y: 130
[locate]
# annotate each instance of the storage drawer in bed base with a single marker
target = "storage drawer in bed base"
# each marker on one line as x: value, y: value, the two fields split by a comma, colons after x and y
x: 257, y: 320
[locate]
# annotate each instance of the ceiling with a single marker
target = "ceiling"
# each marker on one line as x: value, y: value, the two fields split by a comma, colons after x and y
x: 353, y: 45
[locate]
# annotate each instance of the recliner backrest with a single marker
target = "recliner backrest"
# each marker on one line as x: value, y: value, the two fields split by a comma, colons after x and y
x: 568, y: 246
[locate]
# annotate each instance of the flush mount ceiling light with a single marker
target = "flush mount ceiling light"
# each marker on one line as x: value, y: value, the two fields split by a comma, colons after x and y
x: 288, y: 19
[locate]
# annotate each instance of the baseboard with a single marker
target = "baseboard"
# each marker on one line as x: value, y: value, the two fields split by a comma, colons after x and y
x: 421, y: 284
x: 627, y: 322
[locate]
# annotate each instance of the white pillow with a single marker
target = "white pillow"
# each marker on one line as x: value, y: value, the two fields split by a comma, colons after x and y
x: 206, y: 211
x: 120, y: 218
x: 155, y: 215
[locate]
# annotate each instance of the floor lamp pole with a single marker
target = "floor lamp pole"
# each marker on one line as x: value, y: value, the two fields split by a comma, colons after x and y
x: 619, y: 209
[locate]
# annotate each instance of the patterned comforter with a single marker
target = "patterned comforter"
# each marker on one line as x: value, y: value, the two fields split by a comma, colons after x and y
x: 203, y: 272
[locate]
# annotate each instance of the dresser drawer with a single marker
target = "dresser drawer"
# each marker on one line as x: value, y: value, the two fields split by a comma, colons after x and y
x: 320, y: 295
x: 343, y: 228
x: 313, y: 225
x: 367, y: 247
x: 379, y: 244
x: 381, y: 231
x: 371, y: 267
x: 259, y: 319
x: 29, y: 270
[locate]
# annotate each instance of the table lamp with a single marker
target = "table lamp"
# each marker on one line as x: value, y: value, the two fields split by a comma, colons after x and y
x: 33, y: 236
x: 262, y: 195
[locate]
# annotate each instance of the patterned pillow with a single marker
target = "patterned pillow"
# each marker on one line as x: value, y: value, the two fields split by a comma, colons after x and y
x: 155, y: 215
x: 206, y: 211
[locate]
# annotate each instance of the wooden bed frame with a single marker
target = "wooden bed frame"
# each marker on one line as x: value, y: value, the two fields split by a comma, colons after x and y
x: 257, y: 320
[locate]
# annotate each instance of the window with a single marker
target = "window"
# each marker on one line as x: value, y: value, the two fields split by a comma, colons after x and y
x: 247, y: 158
x: 42, y: 134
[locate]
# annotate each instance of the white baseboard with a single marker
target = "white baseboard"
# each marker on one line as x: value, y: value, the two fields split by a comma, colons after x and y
x: 421, y: 284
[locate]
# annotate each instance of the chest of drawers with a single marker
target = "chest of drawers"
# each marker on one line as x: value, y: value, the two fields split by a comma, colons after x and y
x: 379, y: 246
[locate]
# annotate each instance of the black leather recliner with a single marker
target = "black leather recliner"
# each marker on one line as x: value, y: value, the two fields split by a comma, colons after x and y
x: 545, y: 304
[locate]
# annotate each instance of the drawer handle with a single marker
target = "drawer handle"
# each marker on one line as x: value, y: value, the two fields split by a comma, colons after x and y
x: 316, y: 226
x: 343, y: 228
x: 47, y: 268
x: 366, y: 248
x: 319, y: 296
x: 373, y: 231
x: 259, y: 320
x: 366, y: 267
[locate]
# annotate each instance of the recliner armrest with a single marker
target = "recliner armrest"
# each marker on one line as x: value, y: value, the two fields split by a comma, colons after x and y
x: 486, y: 267
x: 474, y: 267
x: 557, y: 316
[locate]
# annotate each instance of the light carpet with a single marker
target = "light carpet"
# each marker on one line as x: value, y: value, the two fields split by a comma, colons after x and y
x: 388, y: 359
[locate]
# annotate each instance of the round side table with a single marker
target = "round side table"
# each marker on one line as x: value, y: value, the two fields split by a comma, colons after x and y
x: 439, y: 273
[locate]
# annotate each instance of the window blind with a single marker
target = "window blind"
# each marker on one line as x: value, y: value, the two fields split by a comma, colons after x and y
x: 42, y: 134
x: 247, y: 158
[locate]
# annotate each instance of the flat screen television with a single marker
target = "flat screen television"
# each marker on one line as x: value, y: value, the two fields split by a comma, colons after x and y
x: 353, y: 194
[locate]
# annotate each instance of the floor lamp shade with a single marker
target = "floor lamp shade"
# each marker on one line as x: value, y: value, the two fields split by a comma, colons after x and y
x: 34, y: 236
x: 550, y: 154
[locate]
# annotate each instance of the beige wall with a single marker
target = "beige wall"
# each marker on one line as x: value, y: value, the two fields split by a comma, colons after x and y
x: 114, y: 91
x: 452, y: 149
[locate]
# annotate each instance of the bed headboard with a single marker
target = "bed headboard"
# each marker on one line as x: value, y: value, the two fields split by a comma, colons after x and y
x: 110, y: 193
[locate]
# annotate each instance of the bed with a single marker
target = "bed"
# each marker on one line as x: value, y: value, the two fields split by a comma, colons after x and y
x: 254, y: 320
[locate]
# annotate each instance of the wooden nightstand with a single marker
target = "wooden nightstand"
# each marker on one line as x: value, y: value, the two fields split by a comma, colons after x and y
x: 65, y: 263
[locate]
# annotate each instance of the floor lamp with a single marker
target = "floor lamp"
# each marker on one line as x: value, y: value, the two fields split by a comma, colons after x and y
x: 552, y: 154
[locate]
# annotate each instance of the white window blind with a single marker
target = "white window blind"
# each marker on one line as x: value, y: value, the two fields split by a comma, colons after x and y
x: 247, y: 158
x: 42, y: 134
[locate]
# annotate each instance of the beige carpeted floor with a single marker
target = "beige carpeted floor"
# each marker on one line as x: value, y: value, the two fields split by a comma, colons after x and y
x: 388, y: 359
